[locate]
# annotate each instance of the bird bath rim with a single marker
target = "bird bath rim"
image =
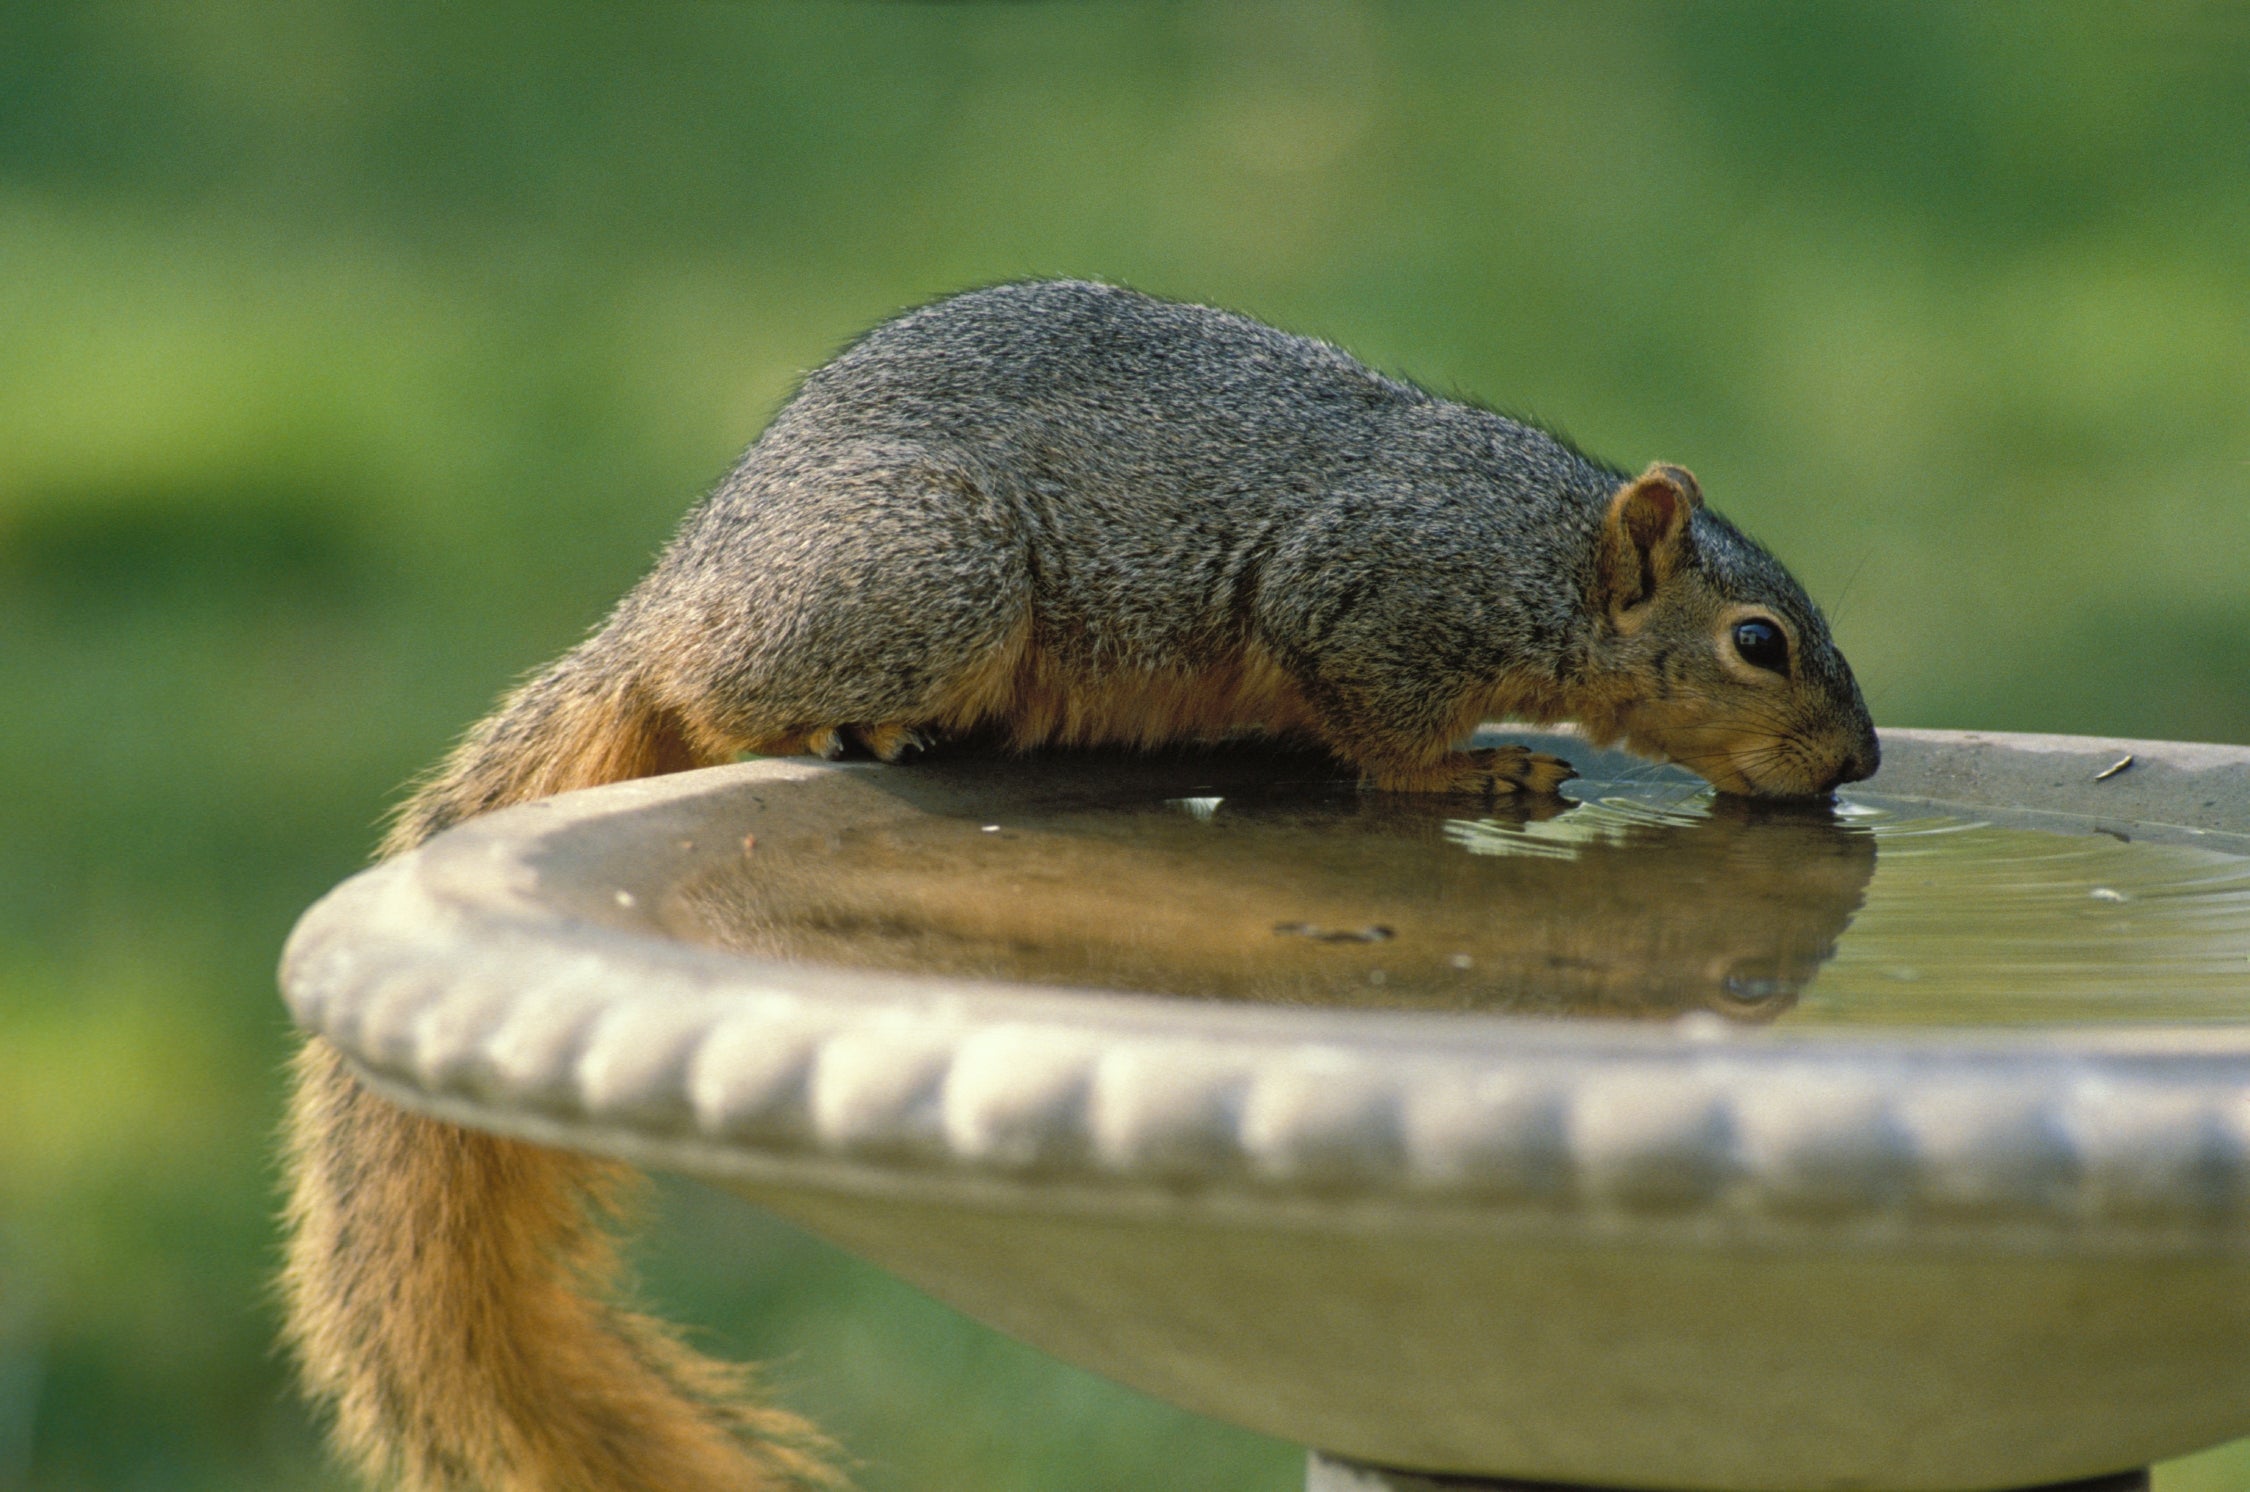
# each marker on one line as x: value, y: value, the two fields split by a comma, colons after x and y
x: 724, y: 1064
x: 517, y: 975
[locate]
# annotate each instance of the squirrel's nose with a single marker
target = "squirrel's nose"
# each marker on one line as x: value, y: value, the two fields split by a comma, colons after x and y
x: 1858, y: 765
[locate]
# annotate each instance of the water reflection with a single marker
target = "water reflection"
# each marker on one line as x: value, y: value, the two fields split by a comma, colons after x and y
x: 1309, y: 892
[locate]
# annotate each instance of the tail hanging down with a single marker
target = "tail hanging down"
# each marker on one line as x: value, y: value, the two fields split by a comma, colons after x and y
x: 448, y: 1292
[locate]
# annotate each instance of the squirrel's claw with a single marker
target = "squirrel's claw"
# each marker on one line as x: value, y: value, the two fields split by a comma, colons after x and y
x: 892, y: 743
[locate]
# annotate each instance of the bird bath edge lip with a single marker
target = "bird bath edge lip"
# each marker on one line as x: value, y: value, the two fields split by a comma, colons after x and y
x: 1476, y: 1244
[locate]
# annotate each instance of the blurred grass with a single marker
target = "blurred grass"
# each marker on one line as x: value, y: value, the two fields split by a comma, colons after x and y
x: 358, y: 355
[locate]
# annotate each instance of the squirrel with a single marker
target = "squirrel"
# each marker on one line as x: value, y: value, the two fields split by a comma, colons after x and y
x: 1062, y: 512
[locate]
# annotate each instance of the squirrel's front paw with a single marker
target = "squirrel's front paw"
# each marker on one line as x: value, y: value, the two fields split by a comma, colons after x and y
x: 1490, y: 772
x: 1494, y: 770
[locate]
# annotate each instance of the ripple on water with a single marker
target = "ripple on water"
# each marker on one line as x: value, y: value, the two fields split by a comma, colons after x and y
x: 1967, y: 921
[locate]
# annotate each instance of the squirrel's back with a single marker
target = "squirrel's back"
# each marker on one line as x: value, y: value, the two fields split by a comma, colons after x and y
x: 1170, y: 445
x: 1079, y: 513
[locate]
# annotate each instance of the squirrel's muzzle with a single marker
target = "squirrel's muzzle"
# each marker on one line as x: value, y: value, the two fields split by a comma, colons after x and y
x: 1865, y: 760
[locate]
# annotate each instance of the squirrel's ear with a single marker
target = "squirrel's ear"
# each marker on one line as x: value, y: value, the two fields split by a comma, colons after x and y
x: 1644, y: 537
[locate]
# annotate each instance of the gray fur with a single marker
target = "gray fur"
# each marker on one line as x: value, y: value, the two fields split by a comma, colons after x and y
x: 1153, y: 484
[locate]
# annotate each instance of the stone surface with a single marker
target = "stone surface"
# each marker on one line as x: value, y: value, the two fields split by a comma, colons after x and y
x: 1324, y: 1474
x: 1661, y: 1257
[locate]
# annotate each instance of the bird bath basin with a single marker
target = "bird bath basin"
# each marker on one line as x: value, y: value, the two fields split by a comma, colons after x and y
x: 1655, y: 1142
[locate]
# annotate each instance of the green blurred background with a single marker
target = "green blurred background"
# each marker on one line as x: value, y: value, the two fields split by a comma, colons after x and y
x: 357, y: 355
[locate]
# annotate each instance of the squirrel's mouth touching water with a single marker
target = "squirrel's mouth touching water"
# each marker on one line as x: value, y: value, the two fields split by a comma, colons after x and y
x: 1758, y: 762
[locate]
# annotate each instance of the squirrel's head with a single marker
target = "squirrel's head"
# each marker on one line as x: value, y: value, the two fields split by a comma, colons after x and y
x: 1710, y: 655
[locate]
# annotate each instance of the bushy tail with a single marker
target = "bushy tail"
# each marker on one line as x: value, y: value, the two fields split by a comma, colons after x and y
x: 449, y: 1292
x: 583, y: 722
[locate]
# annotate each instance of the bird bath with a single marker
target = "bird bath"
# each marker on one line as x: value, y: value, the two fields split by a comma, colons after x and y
x: 1653, y: 1142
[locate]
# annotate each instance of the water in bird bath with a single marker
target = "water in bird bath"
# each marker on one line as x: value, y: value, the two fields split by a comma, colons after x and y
x: 1636, y: 898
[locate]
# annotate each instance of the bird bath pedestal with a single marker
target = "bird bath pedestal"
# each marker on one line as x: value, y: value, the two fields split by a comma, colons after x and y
x: 1466, y: 1231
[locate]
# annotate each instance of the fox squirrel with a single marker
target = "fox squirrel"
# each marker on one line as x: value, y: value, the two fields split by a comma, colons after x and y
x: 1067, y: 513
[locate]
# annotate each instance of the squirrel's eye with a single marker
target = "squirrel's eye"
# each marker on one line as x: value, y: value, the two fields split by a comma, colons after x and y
x: 1762, y: 646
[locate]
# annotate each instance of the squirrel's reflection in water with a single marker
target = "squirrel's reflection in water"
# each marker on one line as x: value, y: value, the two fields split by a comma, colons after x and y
x: 1308, y: 893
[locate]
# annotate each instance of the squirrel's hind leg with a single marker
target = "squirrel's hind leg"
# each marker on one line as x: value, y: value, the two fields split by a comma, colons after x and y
x: 892, y: 741
x: 856, y: 602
